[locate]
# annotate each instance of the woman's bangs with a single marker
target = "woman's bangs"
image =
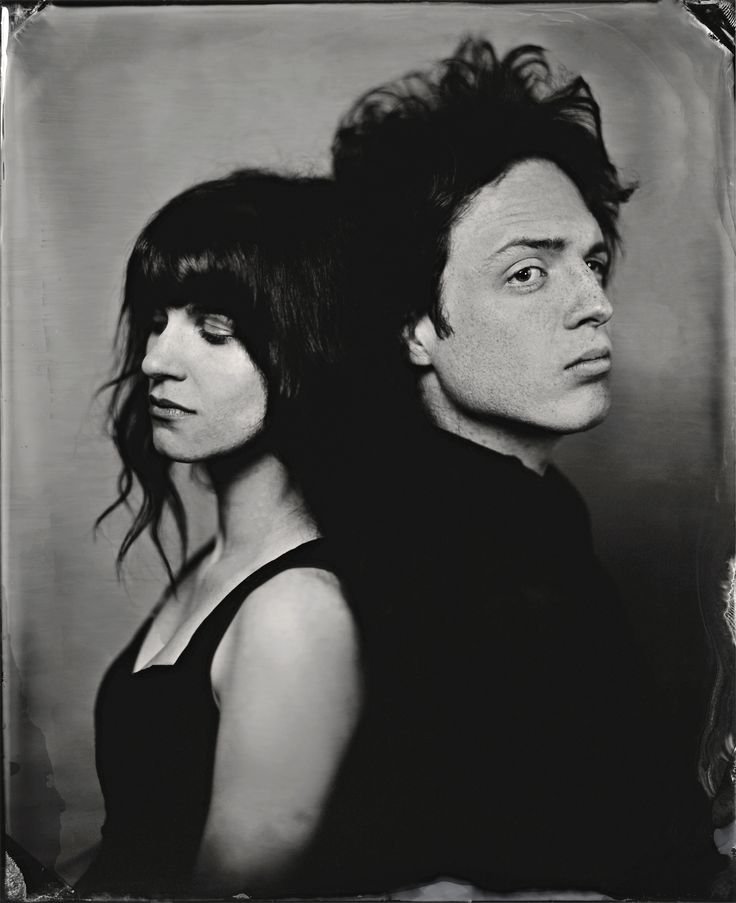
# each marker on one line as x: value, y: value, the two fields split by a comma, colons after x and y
x: 197, y: 278
x: 151, y: 283
x: 216, y: 291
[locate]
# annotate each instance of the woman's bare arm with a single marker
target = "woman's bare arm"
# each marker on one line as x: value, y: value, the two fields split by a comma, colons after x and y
x: 287, y: 680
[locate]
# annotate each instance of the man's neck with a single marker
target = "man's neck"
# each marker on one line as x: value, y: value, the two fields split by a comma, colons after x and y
x: 534, y: 448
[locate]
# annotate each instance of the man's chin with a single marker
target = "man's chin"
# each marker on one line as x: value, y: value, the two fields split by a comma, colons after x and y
x: 584, y: 420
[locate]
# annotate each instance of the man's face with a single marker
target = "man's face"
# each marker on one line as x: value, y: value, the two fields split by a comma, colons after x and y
x: 523, y: 294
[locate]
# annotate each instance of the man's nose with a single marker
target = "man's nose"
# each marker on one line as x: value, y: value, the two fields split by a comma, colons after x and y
x: 164, y: 358
x: 589, y: 304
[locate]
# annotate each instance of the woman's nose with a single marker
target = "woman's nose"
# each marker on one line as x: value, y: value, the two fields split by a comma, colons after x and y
x: 163, y: 359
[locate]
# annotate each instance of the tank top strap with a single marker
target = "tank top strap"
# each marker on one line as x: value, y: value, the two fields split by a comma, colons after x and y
x: 312, y: 554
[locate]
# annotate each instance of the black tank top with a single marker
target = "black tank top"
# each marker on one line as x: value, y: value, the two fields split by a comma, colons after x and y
x: 156, y: 733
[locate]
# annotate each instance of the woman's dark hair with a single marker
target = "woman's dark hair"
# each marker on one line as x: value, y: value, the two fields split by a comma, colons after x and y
x: 264, y: 249
x: 411, y: 154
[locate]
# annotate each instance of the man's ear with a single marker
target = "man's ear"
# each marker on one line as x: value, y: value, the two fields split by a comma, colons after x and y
x: 420, y: 338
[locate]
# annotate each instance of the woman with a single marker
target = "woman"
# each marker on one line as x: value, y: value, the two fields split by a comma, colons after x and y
x: 221, y: 726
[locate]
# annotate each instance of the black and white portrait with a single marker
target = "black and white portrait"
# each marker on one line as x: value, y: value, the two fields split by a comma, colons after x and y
x: 367, y: 450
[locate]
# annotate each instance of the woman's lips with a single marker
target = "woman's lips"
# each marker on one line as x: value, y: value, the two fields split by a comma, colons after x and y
x: 166, y: 409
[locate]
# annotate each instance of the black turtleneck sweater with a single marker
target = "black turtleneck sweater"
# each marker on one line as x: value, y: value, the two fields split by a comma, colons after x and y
x: 512, y: 736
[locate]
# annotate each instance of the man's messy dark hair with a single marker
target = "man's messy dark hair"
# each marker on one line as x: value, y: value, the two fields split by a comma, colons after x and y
x: 410, y: 155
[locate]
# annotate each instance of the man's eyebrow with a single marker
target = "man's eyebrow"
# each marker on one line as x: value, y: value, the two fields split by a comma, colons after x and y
x: 600, y: 247
x: 549, y: 244
x: 535, y: 244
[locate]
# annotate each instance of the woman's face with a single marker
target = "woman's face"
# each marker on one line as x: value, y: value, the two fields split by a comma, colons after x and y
x: 206, y: 395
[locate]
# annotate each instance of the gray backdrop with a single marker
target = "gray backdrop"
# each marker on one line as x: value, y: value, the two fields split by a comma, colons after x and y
x: 111, y: 111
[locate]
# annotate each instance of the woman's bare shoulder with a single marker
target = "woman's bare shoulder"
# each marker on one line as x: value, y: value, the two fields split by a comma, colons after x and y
x: 299, y: 620
x: 301, y: 606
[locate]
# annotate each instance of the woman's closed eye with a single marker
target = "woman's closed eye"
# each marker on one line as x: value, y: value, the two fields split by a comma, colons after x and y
x: 216, y: 328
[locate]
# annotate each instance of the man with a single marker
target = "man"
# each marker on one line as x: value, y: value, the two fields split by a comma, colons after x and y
x: 508, y: 715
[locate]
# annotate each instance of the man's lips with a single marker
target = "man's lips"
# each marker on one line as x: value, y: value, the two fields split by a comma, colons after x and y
x: 599, y: 355
x: 166, y: 404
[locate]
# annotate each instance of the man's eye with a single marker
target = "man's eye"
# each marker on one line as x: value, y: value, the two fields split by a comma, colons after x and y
x: 599, y: 267
x: 527, y: 276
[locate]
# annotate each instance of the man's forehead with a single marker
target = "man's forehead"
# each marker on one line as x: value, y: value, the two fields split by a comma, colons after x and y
x: 533, y: 201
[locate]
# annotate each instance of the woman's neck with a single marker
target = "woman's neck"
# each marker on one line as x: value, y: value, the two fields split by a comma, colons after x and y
x: 260, y: 511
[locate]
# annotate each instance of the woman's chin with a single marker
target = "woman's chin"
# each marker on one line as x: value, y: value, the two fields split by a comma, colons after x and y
x: 212, y: 455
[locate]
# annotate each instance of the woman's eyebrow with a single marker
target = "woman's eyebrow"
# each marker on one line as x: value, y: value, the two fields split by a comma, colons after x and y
x: 193, y: 309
